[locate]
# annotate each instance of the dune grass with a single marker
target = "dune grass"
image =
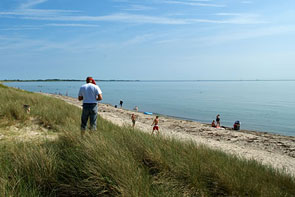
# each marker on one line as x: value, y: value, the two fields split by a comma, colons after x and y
x: 117, y: 161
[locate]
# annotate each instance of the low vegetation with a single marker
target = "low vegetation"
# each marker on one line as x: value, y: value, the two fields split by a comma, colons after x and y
x: 115, y: 161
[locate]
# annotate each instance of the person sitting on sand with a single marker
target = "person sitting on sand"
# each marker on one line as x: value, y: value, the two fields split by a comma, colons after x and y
x: 133, y: 118
x: 213, y: 123
x: 237, y: 125
x: 155, y: 123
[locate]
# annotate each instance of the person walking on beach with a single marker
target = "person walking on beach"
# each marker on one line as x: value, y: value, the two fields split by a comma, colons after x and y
x: 90, y: 94
x: 156, y: 124
x: 133, y: 118
x: 121, y: 103
x: 218, y: 121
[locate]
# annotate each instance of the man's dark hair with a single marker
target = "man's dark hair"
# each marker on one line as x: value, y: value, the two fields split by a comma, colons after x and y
x: 89, y: 79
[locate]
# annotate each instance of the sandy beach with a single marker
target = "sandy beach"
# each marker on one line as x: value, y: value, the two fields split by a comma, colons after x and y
x: 269, y: 149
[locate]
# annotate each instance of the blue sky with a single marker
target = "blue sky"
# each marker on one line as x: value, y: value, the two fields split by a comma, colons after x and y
x: 147, y: 39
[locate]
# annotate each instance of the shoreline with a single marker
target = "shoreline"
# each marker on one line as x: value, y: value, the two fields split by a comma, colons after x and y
x: 250, y: 131
x: 270, y: 149
x: 248, y: 123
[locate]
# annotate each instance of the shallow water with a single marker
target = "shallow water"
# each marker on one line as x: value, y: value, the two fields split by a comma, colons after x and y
x: 259, y: 105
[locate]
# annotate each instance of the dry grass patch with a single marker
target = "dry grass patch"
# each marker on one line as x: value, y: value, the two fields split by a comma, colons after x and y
x: 31, y: 131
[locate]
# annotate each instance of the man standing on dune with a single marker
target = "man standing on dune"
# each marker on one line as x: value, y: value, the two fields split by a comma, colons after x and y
x: 90, y: 94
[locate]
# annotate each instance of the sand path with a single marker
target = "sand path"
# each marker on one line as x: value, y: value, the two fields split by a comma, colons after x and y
x: 269, y: 149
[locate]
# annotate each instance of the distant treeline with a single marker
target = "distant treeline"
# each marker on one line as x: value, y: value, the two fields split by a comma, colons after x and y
x: 54, y: 80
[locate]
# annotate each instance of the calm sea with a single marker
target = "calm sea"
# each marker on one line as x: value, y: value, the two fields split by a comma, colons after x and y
x: 259, y: 105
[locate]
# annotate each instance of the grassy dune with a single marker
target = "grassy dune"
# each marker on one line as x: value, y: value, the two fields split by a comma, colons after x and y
x: 115, y: 161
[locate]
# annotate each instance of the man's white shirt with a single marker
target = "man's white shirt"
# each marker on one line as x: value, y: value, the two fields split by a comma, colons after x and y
x: 89, y: 92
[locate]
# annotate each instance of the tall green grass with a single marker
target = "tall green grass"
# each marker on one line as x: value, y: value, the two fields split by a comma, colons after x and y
x: 51, y: 113
x: 119, y: 161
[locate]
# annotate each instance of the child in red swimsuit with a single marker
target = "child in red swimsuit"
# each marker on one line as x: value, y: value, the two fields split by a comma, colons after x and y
x: 155, y: 123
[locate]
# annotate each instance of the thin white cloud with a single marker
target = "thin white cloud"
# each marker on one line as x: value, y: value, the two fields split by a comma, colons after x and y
x: 194, y: 3
x: 240, y: 18
x: 138, y: 39
x: 168, y: 41
x: 70, y: 25
x: 55, y: 15
x: 250, y: 34
x: 19, y: 28
x: 121, y: 1
x: 32, y: 45
x: 26, y: 9
x: 228, y: 14
x: 71, y: 16
x: 78, y: 44
x: 18, y: 43
x: 82, y: 45
x: 31, y: 3
x: 221, y: 38
x: 38, y: 12
x: 137, y: 18
x: 39, y: 27
x: 119, y: 17
x: 137, y: 8
x: 234, y: 21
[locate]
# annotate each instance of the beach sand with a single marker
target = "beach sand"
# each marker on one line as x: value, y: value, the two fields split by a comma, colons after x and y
x: 269, y: 149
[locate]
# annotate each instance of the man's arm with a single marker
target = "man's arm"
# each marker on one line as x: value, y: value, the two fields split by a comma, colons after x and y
x: 99, y: 97
x: 80, y: 95
x: 98, y: 93
x: 153, y: 122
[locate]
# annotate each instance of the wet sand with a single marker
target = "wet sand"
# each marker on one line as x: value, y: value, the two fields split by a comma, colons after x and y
x: 269, y: 149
